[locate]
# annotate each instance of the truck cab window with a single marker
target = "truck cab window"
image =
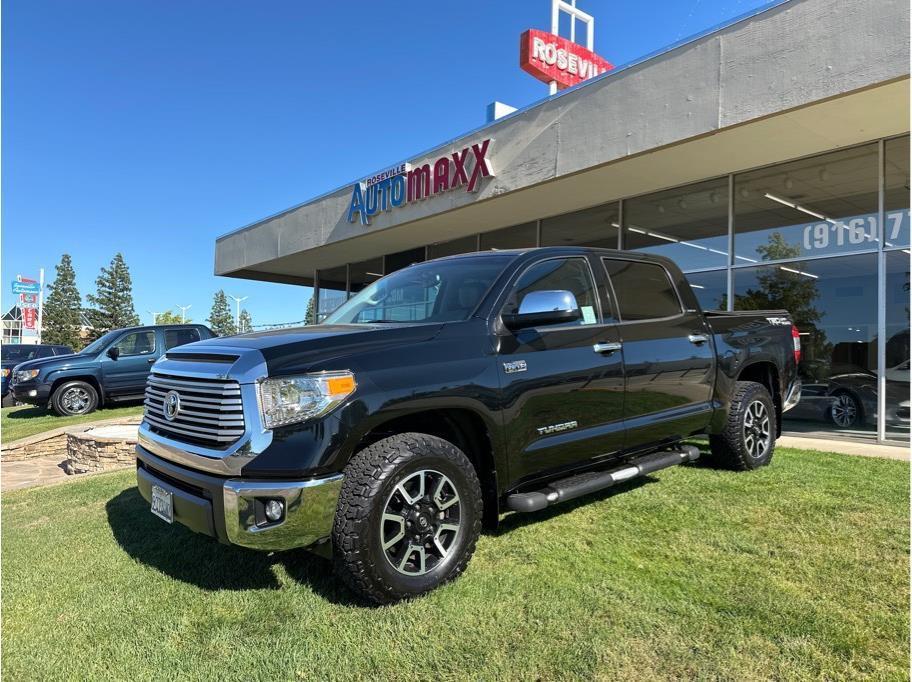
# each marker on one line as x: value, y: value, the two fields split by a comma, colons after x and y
x: 178, y: 337
x: 138, y: 343
x: 643, y: 290
x: 558, y: 274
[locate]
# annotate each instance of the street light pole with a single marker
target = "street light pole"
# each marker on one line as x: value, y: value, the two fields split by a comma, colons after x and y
x: 154, y: 316
x: 184, y: 309
x: 237, y: 314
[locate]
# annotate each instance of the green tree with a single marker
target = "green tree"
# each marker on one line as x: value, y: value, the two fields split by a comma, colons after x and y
x: 62, y: 315
x: 113, y: 301
x: 170, y: 317
x: 245, y: 322
x: 220, y: 320
x: 309, y: 313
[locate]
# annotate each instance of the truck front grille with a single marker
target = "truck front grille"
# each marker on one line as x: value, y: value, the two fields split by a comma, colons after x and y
x: 210, y: 410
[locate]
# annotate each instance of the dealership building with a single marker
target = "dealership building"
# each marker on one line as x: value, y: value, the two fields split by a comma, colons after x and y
x: 769, y: 158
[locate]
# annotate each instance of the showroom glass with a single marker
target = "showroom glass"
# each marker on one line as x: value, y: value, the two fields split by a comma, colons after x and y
x: 364, y: 272
x: 812, y: 207
x: 688, y: 224
x: 333, y: 287
x: 517, y: 237
x: 896, y: 192
x: 710, y: 288
x: 402, y: 259
x: 594, y: 227
x: 833, y: 302
x: 438, y: 291
x: 643, y: 290
x: 178, y: 337
x: 558, y: 274
x: 138, y: 343
x: 453, y: 247
x: 897, y: 351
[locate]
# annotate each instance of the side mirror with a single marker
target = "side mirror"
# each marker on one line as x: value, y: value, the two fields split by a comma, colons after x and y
x: 540, y: 308
x: 113, y: 352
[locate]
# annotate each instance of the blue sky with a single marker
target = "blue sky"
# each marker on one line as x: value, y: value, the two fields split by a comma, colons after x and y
x: 152, y: 127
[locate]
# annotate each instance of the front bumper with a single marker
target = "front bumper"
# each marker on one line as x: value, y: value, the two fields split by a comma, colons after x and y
x: 32, y: 392
x: 231, y: 509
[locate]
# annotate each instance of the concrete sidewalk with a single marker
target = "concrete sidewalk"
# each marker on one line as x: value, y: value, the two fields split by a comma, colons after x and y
x: 845, y: 447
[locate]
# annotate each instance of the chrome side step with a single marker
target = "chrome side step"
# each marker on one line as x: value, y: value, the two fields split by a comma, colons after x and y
x: 592, y: 481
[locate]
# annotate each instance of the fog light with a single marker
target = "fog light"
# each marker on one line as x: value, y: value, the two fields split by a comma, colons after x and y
x: 274, y: 509
x: 33, y: 394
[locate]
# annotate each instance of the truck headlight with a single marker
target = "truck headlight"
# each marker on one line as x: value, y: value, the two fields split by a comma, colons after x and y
x: 292, y: 399
x: 23, y: 375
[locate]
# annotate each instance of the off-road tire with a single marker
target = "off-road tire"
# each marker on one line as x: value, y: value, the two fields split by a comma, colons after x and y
x: 729, y: 449
x: 59, y: 399
x: 371, y: 478
x: 8, y: 400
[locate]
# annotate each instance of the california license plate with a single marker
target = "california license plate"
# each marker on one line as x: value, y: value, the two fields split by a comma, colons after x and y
x: 162, y: 503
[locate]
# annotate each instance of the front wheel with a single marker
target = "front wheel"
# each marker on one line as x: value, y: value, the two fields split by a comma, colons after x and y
x: 749, y: 437
x: 74, y: 398
x: 845, y: 412
x: 408, y: 518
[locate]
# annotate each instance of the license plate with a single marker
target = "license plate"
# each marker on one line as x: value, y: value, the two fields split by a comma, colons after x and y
x: 162, y: 503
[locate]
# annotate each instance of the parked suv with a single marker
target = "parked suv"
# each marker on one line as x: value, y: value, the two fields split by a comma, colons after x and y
x: 113, y: 368
x: 13, y: 354
x: 448, y: 392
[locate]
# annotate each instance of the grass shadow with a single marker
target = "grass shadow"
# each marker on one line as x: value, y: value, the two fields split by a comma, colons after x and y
x: 208, y: 564
x: 28, y: 413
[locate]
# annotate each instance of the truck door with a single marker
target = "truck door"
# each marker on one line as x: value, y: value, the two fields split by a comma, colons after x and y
x: 668, y: 354
x: 562, y: 384
x: 135, y: 353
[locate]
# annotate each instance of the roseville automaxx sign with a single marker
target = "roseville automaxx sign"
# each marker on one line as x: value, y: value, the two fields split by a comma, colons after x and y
x: 550, y: 58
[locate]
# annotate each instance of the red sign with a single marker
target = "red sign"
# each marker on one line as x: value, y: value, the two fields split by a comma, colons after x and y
x: 549, y: 58
x: 29, y: 317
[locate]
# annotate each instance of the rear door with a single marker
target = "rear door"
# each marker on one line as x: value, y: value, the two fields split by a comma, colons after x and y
x: 668, y: 354
x: 563, y: 398
x: 127, y: 374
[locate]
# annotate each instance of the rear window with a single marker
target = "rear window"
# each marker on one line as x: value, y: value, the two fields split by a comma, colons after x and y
x: 178, y: 337
x: 19, y: 353
x: 644, y: 290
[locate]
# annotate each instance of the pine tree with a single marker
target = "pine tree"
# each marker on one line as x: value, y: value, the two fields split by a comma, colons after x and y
x: 62, y: 315
x: 113, y: 300
x: 220, y: 320
x: 309, y: 313
x: 245, y: 322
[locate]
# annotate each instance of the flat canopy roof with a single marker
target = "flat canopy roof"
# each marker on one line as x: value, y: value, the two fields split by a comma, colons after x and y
x: 802, y: 77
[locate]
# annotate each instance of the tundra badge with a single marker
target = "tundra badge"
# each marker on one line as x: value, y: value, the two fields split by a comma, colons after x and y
x: 515, y: 366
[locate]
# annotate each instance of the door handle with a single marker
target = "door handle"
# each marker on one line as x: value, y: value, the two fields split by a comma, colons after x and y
x: 151, y: 360
x: 606, y: 347
x: 698, y: 338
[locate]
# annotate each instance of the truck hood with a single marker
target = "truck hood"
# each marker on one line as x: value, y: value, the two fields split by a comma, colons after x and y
x: 55, y: 362
x: 287, y: 351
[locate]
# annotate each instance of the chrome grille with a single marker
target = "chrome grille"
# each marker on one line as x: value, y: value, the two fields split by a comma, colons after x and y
x: 211, y: 411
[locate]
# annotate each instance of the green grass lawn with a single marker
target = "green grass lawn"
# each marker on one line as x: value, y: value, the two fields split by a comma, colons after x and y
x: 19, y: 422
x: 796, y: 571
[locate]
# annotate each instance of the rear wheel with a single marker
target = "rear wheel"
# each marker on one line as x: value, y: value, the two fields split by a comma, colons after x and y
x: 73, y: 398
x: 749, y: 437
x: 408, y: 519
x: 845, y: 411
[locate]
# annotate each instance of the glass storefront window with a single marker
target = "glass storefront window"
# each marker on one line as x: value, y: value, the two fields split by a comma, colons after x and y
x: 402, y: 259
x: 896, y: 192
x: 896, y: 356
x: 516, y: 237
x: 710, y: 288
x: 595, y: 227
x: 453, y: 247
x: 811, y: 207
x: 363, y: 273
x: 332, y: 293
x: 833, y: 302
x: 688, y: 224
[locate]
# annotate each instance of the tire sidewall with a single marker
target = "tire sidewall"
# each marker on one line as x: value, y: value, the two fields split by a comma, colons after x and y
x: 468, y: 511
x: 60, y: 390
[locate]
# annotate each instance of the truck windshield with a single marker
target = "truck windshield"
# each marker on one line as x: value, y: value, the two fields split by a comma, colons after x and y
x: 445, y: 290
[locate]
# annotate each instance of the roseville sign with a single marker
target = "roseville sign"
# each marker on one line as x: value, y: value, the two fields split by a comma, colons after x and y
x: 403, y: 184
x: 553, y: 59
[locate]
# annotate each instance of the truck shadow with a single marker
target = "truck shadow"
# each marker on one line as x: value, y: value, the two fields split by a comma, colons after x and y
x: 208, y: 564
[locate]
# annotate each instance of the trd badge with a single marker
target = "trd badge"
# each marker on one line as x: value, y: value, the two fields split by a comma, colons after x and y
x: 515, y: 366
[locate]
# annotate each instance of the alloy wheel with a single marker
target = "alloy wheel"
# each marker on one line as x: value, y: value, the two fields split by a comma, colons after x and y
x: 421, y: 522
x: 757, y: 430
x: 75, y: 400
x: 844, y: 410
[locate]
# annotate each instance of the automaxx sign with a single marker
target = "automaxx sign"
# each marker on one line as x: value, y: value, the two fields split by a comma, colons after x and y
x: 404, y: 184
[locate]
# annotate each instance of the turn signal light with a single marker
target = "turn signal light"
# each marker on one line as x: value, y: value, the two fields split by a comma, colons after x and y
x: 340, y: 386
x: 796, y: 344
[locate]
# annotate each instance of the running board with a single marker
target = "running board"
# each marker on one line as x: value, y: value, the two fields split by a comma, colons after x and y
x: 590, y: 482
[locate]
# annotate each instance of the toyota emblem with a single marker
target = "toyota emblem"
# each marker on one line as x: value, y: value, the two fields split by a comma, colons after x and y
x: 171, y: 405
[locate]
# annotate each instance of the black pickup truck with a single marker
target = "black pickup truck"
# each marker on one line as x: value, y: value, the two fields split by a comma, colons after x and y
x: 450, y: 392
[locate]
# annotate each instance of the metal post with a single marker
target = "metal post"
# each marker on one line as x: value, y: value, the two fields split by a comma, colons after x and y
x: 184, y: 309
x: 40, y: 302
x: 882, y: 300
x: 237, y: 312
x: 729, y: 272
